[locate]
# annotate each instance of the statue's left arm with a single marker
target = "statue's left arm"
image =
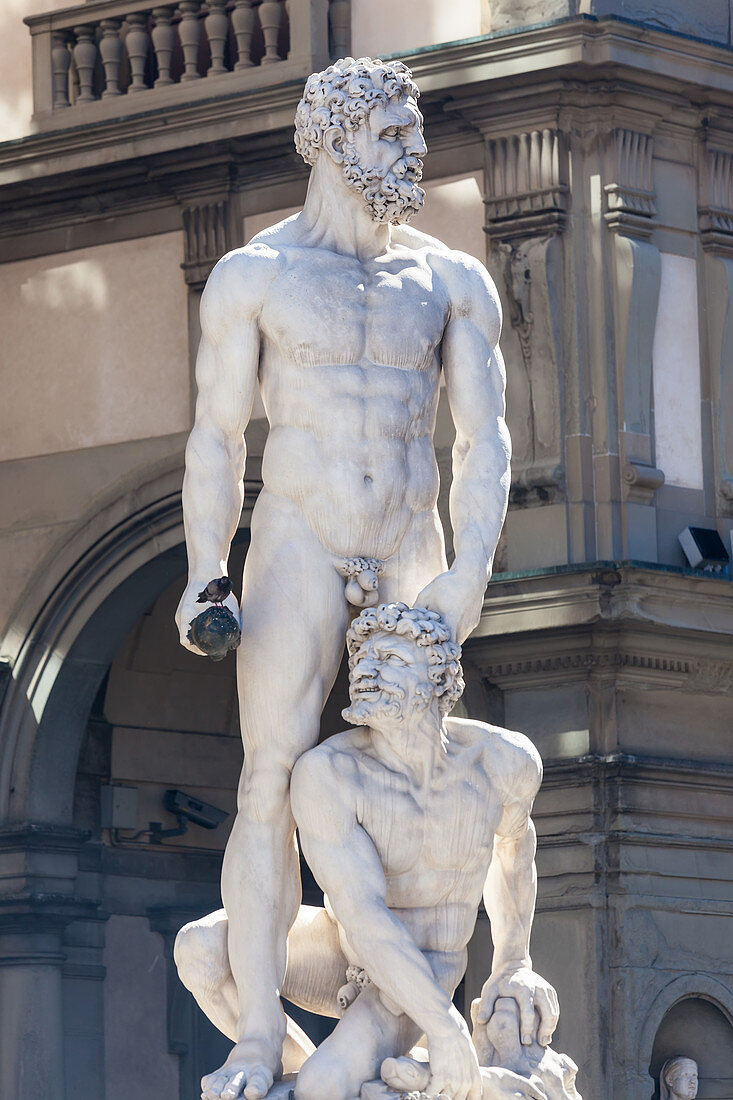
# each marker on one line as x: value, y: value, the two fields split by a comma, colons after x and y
x: 510, y: 892
x: 475, y: 382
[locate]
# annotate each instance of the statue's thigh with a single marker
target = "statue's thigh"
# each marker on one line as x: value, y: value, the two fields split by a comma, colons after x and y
x: 294, y: 618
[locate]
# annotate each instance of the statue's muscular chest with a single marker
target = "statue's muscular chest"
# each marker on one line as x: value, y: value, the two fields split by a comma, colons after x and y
x: 327, y: 309
x: 448, y: 828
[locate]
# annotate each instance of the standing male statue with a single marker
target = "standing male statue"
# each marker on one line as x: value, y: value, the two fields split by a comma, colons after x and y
x: 345, y: 318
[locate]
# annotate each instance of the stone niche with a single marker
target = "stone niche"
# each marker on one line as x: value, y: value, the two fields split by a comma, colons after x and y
x: 695, y: 1028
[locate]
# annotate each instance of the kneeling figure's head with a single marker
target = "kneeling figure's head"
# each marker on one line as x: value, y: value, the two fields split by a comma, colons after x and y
x: 401, y: 662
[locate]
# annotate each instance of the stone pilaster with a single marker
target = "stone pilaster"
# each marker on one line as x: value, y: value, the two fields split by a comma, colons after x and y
x: 715, y: 218
x: 629, y: 211
x: 38, y: 866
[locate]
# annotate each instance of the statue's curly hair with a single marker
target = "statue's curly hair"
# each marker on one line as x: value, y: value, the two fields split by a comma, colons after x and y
x: 426, y: 628
x: 343, y: 95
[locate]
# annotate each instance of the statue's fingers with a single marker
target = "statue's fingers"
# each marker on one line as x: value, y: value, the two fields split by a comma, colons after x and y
x: 548, y: 1015
x: 485, y: 1007
x: 525, y: 1001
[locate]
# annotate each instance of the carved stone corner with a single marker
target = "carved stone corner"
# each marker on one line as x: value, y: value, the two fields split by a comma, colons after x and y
x: 641, y: 482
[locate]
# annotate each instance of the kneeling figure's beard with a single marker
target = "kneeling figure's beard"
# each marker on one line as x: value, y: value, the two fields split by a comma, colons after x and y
x: 392, y: 195
x: 370, y: 708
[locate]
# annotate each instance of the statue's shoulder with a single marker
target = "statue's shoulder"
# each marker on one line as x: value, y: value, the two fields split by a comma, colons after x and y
x: 239, y: 281
x: 468, y: 285
x: 511, y: 757
x: 333, y: 760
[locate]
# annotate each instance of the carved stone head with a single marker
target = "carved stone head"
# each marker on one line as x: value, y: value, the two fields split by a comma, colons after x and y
x: 364, y: 115
x: 678, y: 1079
x: 401, y: 660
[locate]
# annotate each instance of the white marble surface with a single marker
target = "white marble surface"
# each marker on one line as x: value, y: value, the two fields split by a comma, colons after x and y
x: 407, y: 821
x: 345, y: 320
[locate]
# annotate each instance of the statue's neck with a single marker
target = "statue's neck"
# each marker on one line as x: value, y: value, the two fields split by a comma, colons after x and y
x: 415, y: 748
x: 335, y: 216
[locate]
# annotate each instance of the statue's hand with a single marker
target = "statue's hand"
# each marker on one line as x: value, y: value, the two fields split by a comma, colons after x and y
x: 457, y: 600
x: 189, y: 608
x: 536, y: 999
x: 454, y: 1068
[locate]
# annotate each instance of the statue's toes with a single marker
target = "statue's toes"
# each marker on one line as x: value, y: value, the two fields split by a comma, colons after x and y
x: 259, y: 1084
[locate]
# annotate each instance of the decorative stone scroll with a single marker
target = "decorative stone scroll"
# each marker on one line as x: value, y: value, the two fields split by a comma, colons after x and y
x: 205, y: 238
x: 630, y: 192
x: 526, y: 184
x: 715, y: 209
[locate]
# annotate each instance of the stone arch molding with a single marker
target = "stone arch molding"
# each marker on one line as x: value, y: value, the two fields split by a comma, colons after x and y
x: 700, y: 986
x: 75, y: 613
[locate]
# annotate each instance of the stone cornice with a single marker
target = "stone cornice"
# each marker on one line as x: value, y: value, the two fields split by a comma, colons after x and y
x: 611, y: 592
x: 112, y: 132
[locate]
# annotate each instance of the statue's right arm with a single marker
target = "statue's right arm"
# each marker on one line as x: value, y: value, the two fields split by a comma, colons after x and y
x: 226, y: 377
x: 346, y: 865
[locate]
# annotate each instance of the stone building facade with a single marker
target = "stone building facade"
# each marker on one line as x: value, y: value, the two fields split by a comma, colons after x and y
x: 584, y: 150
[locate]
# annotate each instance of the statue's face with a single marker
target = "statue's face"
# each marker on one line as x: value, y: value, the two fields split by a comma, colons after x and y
x: 383, y: 160
x: 389, y: 680
x: 684, y: 1083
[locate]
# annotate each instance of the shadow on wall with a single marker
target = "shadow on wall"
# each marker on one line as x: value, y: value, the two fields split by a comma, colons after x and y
x: 695, y: 1028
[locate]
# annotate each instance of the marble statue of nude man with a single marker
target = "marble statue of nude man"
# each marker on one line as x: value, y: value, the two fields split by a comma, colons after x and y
x: 345, y: 318
x: 406, y: 821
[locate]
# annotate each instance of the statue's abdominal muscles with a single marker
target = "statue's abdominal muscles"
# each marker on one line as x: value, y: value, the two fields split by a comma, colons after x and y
x: 351, y: 396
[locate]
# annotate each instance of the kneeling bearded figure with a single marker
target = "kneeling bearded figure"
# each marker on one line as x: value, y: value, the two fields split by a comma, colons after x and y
x: 406, y: 821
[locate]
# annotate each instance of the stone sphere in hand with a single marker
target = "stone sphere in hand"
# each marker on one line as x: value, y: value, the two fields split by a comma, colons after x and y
x: 215, y: 631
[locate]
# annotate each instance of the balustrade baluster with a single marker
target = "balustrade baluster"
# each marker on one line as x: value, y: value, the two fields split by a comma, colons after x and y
x: 243, y: 22
x: 137, y: 44
x: 271, y: 14
x: 189, y: 31
x: 164, y: 37
x: 110, y: 49
x: 60, y: 61
x: 339, y: 19
x: 85, y: 59
x: 217, y: 29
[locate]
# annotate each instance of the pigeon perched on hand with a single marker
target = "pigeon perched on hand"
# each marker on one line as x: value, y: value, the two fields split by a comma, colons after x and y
x: 216, y: 591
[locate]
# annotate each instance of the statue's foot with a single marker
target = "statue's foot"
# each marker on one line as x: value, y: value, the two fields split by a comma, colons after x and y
x: 248, y: 1072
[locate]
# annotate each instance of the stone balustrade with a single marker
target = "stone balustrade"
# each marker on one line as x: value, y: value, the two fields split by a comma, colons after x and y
x: 107, y: 49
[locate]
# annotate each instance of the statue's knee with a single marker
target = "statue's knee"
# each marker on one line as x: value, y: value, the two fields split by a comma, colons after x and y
x: 187, y: 954
x: 266, y: 792
x: 199, y: 956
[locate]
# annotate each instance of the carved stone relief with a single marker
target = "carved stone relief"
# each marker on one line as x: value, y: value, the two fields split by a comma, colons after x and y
x: 532, y: 285
x: 629, y: 215
x: 526, y: 202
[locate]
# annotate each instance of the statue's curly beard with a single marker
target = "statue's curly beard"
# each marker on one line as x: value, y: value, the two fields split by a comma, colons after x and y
x: 365, y: 710
x: 392, y: 195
